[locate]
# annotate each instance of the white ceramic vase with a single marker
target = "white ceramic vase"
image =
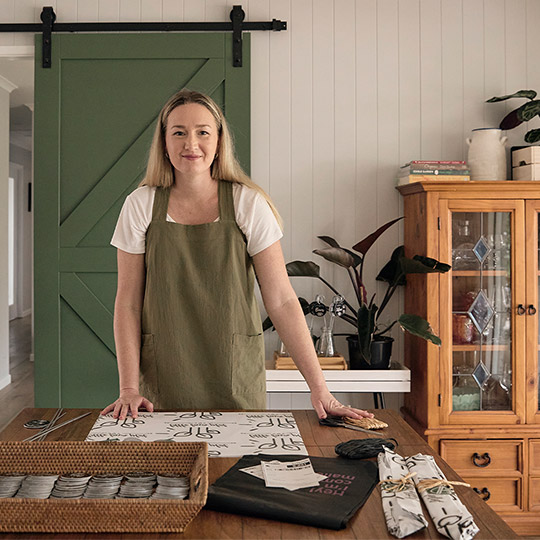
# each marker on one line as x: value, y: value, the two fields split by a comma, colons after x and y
x: 487, y: 155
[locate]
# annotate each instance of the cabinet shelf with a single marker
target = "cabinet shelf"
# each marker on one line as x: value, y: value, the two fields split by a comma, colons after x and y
x: 476, y: 273
x: 502, y: 347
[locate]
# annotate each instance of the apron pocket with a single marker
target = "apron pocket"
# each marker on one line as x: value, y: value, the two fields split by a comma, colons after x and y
x: 148, y: 368
x: 248, y: 370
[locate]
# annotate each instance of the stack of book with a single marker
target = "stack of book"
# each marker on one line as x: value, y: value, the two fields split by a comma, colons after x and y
x: 326, y: 362
x: 419, y: 171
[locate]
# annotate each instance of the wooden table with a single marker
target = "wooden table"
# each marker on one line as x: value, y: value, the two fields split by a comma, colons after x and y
x: 367, y: 523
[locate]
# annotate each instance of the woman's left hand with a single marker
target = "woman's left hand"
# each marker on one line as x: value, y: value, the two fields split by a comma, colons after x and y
x: 325, y: 404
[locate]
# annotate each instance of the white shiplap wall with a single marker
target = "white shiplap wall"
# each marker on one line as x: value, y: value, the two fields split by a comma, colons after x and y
x: 352, y: 90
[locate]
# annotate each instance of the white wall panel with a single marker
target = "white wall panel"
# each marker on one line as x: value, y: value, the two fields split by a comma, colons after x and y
x: 87, y: 11
x: 430, y: 78
x: 301, y: 139
x: 173, y: 10
x: 353, y: 89
x: 130, y: 10
x: 473, y: 62
x: 516, y: 60
x: 452, y: 139
x: 109, y: 10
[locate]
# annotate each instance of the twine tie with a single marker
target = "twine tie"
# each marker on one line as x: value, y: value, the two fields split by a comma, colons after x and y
x: 397, y: 484
x: 429, y: 483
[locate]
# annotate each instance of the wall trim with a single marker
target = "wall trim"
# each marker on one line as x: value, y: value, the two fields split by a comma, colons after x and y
x: 5, y: 381
x: 16, y: 51
x: 8, y: 86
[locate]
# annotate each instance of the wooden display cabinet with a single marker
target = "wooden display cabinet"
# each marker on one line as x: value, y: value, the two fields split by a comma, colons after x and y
x: 476, y: 398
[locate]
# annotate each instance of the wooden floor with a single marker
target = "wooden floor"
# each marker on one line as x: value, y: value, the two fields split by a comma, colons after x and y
x: 20, y: 393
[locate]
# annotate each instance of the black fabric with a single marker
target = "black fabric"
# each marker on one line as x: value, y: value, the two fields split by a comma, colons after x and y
x: 329, y: 505
x: 364, y: 448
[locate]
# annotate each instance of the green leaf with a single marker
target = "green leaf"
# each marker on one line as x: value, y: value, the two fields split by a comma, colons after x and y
x: 418, y: 327
x: 336, y: 255
x: 330, y: 241
x: 532, y: 136
x: 392, y: 269
x: 529, y: 110
x: 511, y: 120
x: 531, y: 94
x: 366, y: 327
x: 417, y: 266
x: 333, y: 243
x: 364, y: 245
x: 433, y: 263
x: 303, y: 269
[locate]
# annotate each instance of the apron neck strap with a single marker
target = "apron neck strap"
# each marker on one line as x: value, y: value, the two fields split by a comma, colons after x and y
x: 161, y: 203
x: 226, y: 202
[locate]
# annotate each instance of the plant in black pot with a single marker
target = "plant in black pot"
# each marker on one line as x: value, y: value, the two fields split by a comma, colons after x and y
x: 370, y: 345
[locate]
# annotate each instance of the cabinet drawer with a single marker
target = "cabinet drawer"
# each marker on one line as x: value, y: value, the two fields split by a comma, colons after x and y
x: 534, y: 494
x: 484, y: 456
x: 502, y: 494
x: 534, y: 457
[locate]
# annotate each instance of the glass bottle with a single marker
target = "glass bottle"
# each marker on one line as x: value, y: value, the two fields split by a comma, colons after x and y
x: 462, y: 254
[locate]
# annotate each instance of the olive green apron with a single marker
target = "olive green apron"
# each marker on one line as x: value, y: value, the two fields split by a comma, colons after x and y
x: 202, y: 343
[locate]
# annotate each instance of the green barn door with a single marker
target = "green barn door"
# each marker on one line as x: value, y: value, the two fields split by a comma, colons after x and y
x: 95, y: 112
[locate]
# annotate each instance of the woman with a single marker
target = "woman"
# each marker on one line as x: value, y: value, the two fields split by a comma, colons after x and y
x: 186, y: 321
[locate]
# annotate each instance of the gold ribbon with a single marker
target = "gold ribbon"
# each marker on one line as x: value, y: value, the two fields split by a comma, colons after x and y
x: 397, y: 484
x: 429, y: 483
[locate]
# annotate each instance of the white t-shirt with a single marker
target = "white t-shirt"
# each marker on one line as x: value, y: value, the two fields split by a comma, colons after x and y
x: 253, y: 215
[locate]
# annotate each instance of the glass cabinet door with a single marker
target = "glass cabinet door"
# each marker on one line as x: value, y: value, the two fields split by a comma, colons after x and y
x: 481, y: 311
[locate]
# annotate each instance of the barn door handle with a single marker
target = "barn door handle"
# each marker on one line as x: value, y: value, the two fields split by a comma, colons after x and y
x: 531, y: 310
x: 485, y: 492
x: 485, y: 459
x: 521, y: 309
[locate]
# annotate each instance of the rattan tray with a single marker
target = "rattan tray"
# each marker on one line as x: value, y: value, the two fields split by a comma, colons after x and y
x: 104, y: 515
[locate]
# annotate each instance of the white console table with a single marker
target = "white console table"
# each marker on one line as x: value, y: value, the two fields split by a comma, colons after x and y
x: 375, y: 381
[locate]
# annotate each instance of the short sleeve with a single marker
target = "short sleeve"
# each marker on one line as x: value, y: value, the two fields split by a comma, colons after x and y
x: 135, y: 216
x: 255, y: 218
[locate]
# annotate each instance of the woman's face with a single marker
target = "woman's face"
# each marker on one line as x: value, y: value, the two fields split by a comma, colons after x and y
x: 191, y: 139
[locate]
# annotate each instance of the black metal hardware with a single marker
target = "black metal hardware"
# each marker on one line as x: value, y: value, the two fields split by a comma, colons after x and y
x: 485, y: 492
x: 29, y: 196
x: 237, y: 17
x: 521, y: 309
x: 531, y: 310
x: 486, y: 459
x: 237, y: 26
x: 48, y: 17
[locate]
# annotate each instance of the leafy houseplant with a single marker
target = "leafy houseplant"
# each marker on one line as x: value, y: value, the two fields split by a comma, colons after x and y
x: 524, y: 113
x: 367, y: 318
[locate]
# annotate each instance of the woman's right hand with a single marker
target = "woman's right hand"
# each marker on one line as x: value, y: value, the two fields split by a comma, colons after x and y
x: 128, y: 403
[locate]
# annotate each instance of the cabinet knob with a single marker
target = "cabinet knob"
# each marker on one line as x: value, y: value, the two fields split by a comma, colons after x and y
x: 481, y: 461
x: 484, y: 492
x: 521, y: 309
x: 531, y: 310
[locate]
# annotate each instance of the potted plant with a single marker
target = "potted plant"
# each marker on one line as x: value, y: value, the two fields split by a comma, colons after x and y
x: 524, y: 113
x: 370, y: 344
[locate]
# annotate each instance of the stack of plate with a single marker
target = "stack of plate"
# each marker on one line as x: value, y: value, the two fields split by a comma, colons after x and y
x: 10, y: 484
x: 70, y: 486
x: 137, y: 485
x: 103, y: 486
x: 171, y: 486
x: 37, y: 487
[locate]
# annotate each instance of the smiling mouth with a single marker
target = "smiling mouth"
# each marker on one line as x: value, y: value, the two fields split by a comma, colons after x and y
x: 191, y: 157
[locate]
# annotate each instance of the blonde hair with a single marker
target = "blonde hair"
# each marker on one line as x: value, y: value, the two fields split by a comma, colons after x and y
x: 159, y: 170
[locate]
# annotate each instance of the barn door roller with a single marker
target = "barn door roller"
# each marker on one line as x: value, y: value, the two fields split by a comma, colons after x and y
x: 236, y: 26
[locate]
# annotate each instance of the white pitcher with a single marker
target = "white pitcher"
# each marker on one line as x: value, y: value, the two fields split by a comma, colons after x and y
x: 487, y: 155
